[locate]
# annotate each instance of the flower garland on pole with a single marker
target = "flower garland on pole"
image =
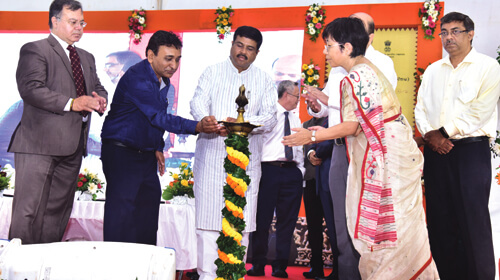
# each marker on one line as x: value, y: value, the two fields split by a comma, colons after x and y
x: 310, y: 75
x: 429, y: 12
x: 315, y: 21
x: 136, y: 24
x: 230, y: 264
x: 223, y: 22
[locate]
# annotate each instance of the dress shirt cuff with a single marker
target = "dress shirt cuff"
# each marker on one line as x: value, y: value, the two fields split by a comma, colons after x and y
x: 310, y: 151
x: 451, y: 129
x: 67, y: 108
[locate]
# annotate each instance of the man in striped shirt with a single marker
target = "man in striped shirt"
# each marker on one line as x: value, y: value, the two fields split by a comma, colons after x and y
x: 216, y: 94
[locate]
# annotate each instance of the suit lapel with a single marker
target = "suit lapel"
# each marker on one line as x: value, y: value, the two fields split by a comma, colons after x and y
x: 62, y: 54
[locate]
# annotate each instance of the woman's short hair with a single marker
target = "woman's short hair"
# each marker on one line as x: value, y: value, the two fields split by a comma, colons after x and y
x: 348, y: 30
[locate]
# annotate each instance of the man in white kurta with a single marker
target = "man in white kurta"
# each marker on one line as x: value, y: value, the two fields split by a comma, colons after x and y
x: 216, y: 93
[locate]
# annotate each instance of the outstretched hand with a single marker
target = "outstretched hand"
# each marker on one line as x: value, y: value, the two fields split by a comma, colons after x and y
x: 301, y: 137
x: 207, y: 125
x: 317, y: 94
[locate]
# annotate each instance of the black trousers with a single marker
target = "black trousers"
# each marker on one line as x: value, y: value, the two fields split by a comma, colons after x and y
x: 132, y: 195
x: 280, y: 189
x: 314, y: 216
x: 457, y: 189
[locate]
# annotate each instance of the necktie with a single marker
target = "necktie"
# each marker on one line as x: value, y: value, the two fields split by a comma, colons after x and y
x: 288, y: 150
x: 77, y: 74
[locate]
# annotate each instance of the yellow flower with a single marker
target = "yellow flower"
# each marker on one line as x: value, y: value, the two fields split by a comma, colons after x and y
x: 223, y: 8
x: 222, y: 31
x: 184, y: 164
x: 310, y: 72
x: 224, y: 22
x: 175, y: 176
x: 184, y: 183
x: 186, y: 172
x: 310, y: 79
x: 315, y: 19
x: 305, y: 67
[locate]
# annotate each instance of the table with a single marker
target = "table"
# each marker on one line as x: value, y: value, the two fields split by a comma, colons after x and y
x: 176, y: 227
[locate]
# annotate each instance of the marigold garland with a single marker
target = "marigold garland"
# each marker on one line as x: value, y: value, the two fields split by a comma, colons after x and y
x: 231, y: 253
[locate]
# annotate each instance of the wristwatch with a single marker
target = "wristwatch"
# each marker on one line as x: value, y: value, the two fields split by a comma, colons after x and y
x: 313, y: 137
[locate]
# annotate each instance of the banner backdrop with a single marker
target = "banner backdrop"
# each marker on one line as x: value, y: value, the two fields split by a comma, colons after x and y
x: 200, y: 49
x: 401, y: 46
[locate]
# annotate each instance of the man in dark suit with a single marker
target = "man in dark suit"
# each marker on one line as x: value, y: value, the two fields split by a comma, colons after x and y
x: 60, y: 88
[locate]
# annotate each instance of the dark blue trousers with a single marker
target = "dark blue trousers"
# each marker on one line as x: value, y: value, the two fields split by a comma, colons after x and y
x: 281, y: 189
x: 314, y: 216
x: 457, y: 190
x: 132, y: 195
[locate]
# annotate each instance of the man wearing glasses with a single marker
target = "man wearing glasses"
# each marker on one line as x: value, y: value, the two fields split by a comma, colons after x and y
x: 456, y: 112
x: 280, y: 187
x: 60, y: 89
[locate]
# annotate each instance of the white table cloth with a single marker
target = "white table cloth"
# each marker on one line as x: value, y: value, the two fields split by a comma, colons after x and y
x: 175, y: 227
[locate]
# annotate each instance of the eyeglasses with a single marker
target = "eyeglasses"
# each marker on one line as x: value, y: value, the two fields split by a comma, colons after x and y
x: 74, y: 22
x: 332, y: 45
x: 298, y: 95
x: 454, y: 33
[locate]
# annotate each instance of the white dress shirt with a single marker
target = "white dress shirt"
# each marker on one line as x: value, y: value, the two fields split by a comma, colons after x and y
x: 384, y: 64
x: 273, y: 149
x: 215, y: 95
x: 64, y: 45
x: 463, y: 100
x: 332, y: 87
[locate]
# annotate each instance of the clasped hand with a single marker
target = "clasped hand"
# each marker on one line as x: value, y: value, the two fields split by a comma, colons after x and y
x: 435, y: 140
x: 90, y: 103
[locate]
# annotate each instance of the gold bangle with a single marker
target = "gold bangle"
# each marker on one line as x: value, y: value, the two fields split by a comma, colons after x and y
x: 71, y: 105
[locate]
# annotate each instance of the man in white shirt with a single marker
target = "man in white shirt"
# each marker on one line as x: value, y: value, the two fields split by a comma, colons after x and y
x: 217, y: 89
x: 280, y: 186
x: 327, y: 103
x: 456, y: 112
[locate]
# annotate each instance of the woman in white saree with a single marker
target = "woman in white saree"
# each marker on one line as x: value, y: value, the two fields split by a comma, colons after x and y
x: 385, y: 214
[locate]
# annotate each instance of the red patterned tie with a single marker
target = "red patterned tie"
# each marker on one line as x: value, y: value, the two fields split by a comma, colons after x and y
x: 77, y: 74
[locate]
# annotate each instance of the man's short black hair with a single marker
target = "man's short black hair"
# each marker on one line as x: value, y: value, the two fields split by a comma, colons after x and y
x: 459, y: 17
x: 58, y: 5
x: 163, y: 38
x: 250, y: 33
